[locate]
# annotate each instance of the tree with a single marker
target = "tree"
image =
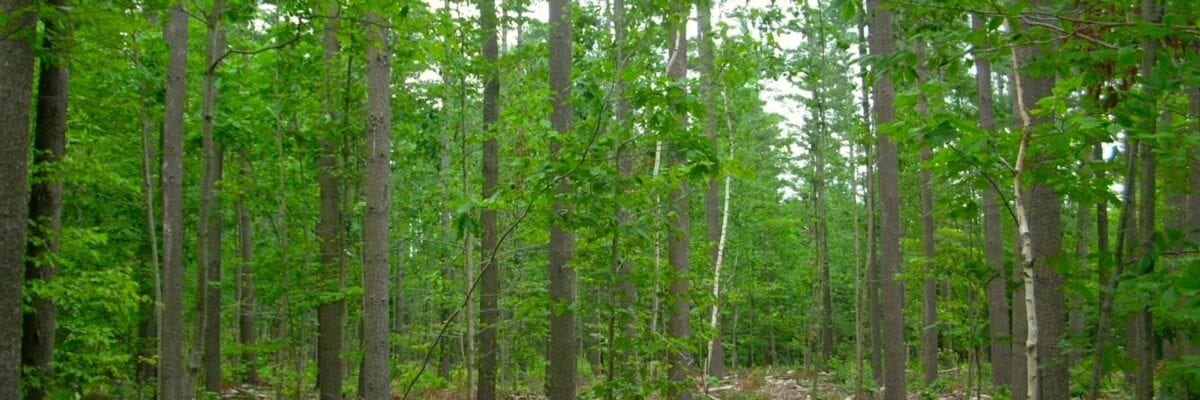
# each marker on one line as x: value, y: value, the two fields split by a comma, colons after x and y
x: 561, y: 373
x: 712, y: 215
x: 376, y: 370
x: 679, y: 237
x: 489, y: 311
x: 247, y: 331
x: 331, y: 313
x: 170, y: 370
x: 992, y: 230
x: 45, y: 202
x: 883, y: 44
x: 17, y: 32
x: 210, y: 232
x: 929, y: 328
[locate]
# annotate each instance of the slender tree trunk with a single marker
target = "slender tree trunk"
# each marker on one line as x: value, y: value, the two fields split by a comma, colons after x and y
x: 210, y: 232
x: 377, y: 381
x: 929, y: 328
x: 1193, y: 160
x: 679, y: 237
x: 247, y: 332
x: 871, y: 281
x: 446, y: 352
x: 45, y: 202
x: 330, y: 314
x: 489, y: 294
x: 1104, y: 320
x: 151, y: 326
x: 564, y: 345
x: 993, y: 237
x: 1143, y: 340
x: 625, y: 171
x: 170, y: 363
x: 882, y: 43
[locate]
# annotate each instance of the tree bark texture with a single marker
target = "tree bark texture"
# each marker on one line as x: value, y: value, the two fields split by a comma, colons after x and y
x: 564, y: 344
x: 882, y: 43
x: 170, y: 364
x: 679, y: 236
x: 376, y: 370
x: 489, y: 292
x: 330, y: 314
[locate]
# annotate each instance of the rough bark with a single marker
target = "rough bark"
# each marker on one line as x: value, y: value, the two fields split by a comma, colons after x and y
x: 210, y: 229
x: 712, y: 214
x: 170, y: 362
x: 679, y: 237
x: 376, y: 371
x: 45, y: 201
x: 929, y: 328
x: 489, y: 291
x: 882, y: 44
x: 247, y: 332
x: 563, y: 346
x: 872, y: 273
x: 1041, y: 238
x: 330, y: 314
x: 992, y: 229
x: 16, y: 88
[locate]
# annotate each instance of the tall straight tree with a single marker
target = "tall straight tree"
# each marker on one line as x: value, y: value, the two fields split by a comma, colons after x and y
x: 872, y: 279
x: 170, y: 359
x: 330, y: 313
x: 882, y: 43
x: 17, y: 31
x: 993, y: 241
x: 679, y: 237
x: 210, y: 231
x: 376, y: 370
x: 1038, y: 206
x: 563, y: 345
x: 489, y: 292
x: 45, y: 200
x: 712, y: 213
x: 929, y: 327
x: 247, y: 332
x: 1143, y: 340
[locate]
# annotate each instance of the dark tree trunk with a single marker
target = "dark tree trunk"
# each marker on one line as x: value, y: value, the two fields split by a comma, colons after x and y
x: 882, y: 43
x: 872, y: 274
x: 16, y: 88
x: 564, y: 344
x: 170, y: 364
x: 679, y: 236
x: 712, y: 202
x: 247, y: 332
x: 1143, y: 339
x: 489, y: 291
x: 45, y: 202
x: 210, y: 232
x: 993, y: 237
x: 330, y: 314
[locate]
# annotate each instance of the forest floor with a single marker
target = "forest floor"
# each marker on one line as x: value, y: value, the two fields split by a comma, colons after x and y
x: 754, y: 384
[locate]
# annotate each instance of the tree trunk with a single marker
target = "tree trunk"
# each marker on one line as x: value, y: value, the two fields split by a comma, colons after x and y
x: 376, y: 370
x: 679, y: 237
x: 992, y: 229
x: 210, y: 232
x: 247, y: 332
x: 489, y: 293
x: 712, y: 215
x: 882, y: 44
x: 872, y: 273
x: 1193, y: 206
x: 564, y: 344
x: 625, y: 170
x: 149, y: 331
x: 170, y: 364
x: 929, y: 328
x: 45, y: 202
x: 1143, y: 340
x: 1039, y: 218
x: 330, y: 314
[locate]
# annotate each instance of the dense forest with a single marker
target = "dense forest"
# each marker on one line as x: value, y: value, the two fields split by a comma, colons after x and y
x: 599, y: 199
